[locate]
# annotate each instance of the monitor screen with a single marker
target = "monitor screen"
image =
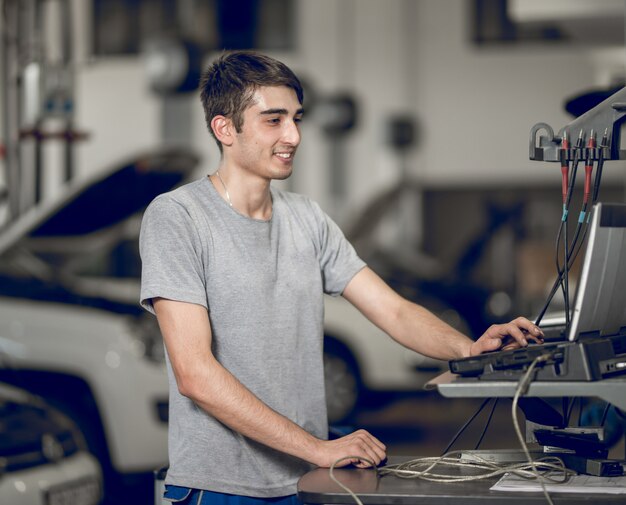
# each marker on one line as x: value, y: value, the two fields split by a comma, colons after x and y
x: 600, y: 302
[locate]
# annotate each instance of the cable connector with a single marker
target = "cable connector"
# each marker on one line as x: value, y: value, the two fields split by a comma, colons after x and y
x: 591, y: 144
x: 564, y: 166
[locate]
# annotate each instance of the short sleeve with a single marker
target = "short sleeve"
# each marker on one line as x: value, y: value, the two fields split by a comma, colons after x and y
x: 171, y: 255
x: 338, y: 259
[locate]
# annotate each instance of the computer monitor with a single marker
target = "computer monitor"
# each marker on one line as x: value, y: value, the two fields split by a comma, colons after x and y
x: 601, y: 290
x: 596, y: 346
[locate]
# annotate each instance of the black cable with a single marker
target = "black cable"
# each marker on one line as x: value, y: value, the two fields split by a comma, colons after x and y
x: 562, y: 279
x: 575, y: 249
x: 482, y: 435
x: 573, y: 254
x: 604, y: 143
x: 464, y: 427
x: 566, y: 264
x: 576, y: 242
x: 580, y: 243
x: 557, y: 247
x: 565, y: 280
x: 563, y: 273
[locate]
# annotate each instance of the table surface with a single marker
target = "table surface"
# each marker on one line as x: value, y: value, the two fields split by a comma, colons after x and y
x: 316, y: 487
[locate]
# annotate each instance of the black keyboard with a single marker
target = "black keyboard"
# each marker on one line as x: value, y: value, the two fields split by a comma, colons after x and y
x: 507, y: 360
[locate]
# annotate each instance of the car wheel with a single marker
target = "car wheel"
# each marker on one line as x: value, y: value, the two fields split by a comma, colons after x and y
x: 342, y: 381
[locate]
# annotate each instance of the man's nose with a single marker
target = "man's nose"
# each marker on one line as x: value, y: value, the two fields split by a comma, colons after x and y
x: 291, y: 133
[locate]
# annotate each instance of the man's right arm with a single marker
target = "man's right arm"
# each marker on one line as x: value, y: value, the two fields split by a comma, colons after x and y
x: 187, y: 334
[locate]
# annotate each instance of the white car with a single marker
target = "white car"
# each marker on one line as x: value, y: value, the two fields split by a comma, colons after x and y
x: 71, y: 324
x: 44, y: 458
x: 92, y: 365
x: 98, y: 360
x: 361, y: 361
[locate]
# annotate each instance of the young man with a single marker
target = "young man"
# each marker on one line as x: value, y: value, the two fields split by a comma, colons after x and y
x: 235, y: 271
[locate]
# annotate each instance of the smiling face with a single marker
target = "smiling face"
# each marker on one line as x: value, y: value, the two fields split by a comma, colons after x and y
x: 270, y: 134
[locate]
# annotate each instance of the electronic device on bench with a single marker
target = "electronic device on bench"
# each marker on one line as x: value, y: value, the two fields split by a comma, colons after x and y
x: 596, y: 342
x: 589, y: 358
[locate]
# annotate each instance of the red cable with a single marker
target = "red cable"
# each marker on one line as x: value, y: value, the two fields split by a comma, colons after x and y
x: 591, y: 144
x: 564, y: 166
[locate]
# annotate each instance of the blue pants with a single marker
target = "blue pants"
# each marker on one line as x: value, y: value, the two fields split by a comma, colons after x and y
x: 189, y: 496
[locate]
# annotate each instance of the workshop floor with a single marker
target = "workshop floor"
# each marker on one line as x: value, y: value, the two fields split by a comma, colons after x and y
x: 423, y: 424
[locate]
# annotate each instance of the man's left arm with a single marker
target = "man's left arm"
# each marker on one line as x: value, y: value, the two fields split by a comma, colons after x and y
x: 418, y: 329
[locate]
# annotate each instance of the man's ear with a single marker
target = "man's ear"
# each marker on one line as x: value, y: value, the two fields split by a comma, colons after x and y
x: 223, y: 129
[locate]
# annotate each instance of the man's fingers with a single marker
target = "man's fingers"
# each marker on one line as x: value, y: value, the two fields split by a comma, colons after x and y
x: 365, y: 463
x: 511, y: 335
x: 521, y: 329
x: 513, y: 331
x: 371, y: 439
x: 372, y: 448
x: 359, y: 448
x: 375, y: 454
x: 531, y: 329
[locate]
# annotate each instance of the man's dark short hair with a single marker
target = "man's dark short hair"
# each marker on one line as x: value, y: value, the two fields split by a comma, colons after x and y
x: 228, y: 85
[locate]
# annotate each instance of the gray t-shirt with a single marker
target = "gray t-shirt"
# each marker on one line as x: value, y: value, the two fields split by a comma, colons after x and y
x: 262, y: 283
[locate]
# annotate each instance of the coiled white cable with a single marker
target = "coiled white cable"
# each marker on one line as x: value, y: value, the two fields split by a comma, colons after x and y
x: 549, y: 468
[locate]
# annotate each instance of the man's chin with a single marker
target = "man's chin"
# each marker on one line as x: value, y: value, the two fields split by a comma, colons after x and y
x: 281, y: 175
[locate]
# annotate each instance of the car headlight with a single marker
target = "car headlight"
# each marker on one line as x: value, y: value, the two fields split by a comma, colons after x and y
x: 35, y: 434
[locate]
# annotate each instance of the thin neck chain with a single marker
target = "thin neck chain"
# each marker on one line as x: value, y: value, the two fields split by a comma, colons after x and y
x: 225, y: 188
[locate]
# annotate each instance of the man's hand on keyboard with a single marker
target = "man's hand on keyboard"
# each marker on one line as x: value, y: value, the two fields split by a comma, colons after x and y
x: 506, y: 336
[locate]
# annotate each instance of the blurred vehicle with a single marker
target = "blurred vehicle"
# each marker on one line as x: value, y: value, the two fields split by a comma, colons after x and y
x: 71, y: 287
x: 43, y: 454
x: 360, y: 361
x: 98, y: 360
x: 382, y: 234
x: 363, y: 366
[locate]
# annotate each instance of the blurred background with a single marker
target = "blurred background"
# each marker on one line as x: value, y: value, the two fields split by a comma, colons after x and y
x: 415, y: 140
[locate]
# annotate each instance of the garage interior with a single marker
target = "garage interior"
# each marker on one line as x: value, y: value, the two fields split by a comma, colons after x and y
x: 418, y: 120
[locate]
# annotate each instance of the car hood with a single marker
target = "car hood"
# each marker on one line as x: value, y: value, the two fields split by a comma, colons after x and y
x: 90, y: 205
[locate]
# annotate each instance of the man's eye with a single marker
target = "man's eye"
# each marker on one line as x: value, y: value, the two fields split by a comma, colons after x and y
x: 298, y: 119
x: 274, y: 120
